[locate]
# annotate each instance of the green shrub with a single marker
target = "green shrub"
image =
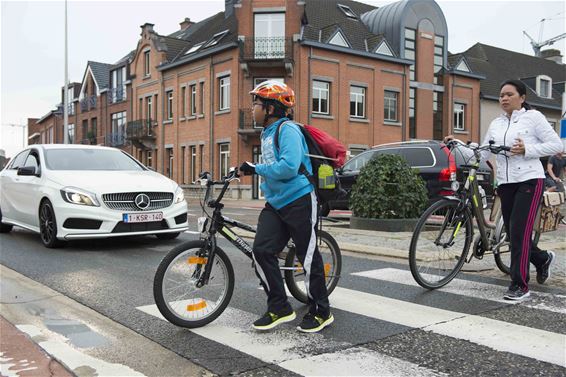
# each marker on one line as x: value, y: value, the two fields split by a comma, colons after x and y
x: 387, y: 188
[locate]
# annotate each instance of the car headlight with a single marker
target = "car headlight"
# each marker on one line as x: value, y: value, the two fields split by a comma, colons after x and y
x: 179, y: 195
x: 77, y: 196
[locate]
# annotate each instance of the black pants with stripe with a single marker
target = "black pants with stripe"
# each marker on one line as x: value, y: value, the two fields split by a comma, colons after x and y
x: 519, y: 204
x: 298, y: 221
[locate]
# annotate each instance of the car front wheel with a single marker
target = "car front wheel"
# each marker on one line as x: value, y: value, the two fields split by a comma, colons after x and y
x: 48, y: 226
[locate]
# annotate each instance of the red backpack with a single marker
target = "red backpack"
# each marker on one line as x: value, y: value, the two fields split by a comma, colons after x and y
x: 326, y: 154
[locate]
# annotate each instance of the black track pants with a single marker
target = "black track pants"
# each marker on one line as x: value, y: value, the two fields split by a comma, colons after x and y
x: 519, y: 204
x: 297, y: 221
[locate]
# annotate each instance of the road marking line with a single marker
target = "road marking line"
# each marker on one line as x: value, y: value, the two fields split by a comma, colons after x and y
x: 469, y: 288
x: 295, y: 351
x: 499, y: 335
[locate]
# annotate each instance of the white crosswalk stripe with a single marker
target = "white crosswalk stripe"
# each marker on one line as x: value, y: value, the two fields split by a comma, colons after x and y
x: 291, y: 350
x: 469, y: 288
x: 308, y: 354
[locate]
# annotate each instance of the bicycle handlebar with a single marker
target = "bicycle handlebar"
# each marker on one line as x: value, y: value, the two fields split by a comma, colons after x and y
x: 205, y: 179
x: 492, y: 147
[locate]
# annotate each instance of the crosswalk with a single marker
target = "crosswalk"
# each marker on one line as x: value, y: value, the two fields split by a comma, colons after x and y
x: 317, y: 354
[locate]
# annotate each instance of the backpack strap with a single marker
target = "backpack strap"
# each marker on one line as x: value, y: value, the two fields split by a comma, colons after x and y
x: 302, y: 169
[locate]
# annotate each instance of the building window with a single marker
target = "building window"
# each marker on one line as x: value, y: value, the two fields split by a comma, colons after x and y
x: 85, y: 129
x: 201, y: 97
x: 193, y: 90
x: 50, y: 135
x: 146, y: 63
x: 170, y: 105
x: 347, y: 11
x: 224, y: 91
x: 140, y: 109
x: 170, y: 163
x: 118, y: 128
x: 118, y: 92
x: 438, y: 59
x: 194, y: 170
x: 149, y: 159
x: 93, y: 128
x: 544, y: 85
x: 71, y: 129
x: 412, y: 113
x: 155, y: 107
x: 410, y: 50
x: 224, y: 159
x: 269, y: 35
x: 390, y: 101
x: 320, y: 95
x: 183, y: 156
x: 437, y: 116
x: 215, y: 39
x: 459, y: 116
x: 149, y: 105
x: 184, y: 101
x: 357, y: 102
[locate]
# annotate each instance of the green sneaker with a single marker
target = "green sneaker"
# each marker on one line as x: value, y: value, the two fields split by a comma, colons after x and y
x: 315, y: 323
x: 270, y: 320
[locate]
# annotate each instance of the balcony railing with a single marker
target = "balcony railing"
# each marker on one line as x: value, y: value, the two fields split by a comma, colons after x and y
x: 264, y: 48
x: 88, y: 103
x: 116, y: 139
x: 141, y: 129
x: 247, y: 126
x: 117, y: 94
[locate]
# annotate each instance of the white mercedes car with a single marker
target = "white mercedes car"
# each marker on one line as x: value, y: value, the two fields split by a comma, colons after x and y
x: 73, y: 191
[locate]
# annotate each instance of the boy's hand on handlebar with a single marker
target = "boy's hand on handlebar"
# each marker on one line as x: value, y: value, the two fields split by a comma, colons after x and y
x: 247, y: 168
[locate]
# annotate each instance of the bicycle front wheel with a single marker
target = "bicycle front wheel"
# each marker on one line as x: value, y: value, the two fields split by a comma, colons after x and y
x: 332, y: 262
x: 175, y: 289
x: 440, y: 243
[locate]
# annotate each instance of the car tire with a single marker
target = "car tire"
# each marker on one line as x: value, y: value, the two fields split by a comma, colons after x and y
x: 167, y: 236
x: 48, y: 226
x: 4, y: 228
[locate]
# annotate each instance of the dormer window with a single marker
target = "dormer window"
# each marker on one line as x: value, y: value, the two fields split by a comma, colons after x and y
x: 544, y: 85
x: 462, y: 66
x: 348, y: 11
x: 383, y: 49
x: 194, y: 48
x: 338, y: 40
x: 216, y: 38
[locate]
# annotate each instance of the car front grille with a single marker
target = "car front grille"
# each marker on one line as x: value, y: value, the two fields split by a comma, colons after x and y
x: 125, y: 201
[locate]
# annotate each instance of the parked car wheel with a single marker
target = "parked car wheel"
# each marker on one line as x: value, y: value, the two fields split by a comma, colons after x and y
x: 4, y: 228
x: 167, y: 236
x: 48, y: 226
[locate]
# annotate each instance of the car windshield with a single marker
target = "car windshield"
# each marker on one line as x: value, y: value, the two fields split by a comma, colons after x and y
x: 89, y: 159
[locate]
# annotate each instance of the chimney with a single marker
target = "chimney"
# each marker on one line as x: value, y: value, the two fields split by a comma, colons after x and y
x: 228, y: 8
x: 186, y: 23
x: 552, y: 54
x: 147, y: 27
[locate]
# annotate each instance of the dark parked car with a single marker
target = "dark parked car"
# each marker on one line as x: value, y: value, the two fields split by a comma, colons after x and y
x: 435, y: 164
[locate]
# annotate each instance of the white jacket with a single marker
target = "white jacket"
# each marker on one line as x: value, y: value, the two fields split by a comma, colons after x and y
x: 538, y: 136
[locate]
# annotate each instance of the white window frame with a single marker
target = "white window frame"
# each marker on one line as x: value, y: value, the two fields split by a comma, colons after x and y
x: 193, y: 155
x: 347, y: 11
x: 149, y: 108
x: 539, y: 87
x: 169, y: 105
x: 224, y: 93
x: 224, y: 159
x: 390, y: 104
x: 193, y: 97
x: 146, y: 63
x: 71, y: 133
x: 459, y: 115
x: 357, y: 99
x: 318, y: 95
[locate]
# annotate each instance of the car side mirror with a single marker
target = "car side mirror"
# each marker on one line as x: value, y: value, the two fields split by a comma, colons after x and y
x: 26, y: 170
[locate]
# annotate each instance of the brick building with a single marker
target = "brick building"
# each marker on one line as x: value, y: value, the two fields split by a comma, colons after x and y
x: 367, y: 75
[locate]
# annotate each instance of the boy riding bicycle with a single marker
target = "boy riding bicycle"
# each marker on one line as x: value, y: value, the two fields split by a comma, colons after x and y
x: 291, y: 211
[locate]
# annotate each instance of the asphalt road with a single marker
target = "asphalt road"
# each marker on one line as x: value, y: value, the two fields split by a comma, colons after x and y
x: 385, y: 324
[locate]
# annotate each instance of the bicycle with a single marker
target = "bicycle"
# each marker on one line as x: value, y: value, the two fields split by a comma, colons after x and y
x: 195, y: 281
x: 443, y: 235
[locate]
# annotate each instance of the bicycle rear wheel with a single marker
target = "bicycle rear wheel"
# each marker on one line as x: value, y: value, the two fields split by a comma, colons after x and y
x: 331, y: 259
x: 178, y: 298
x: 440, y: 243
x: 502, y: 251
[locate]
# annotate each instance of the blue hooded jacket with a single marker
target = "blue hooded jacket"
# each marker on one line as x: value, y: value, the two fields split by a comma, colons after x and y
x: 282, y: 183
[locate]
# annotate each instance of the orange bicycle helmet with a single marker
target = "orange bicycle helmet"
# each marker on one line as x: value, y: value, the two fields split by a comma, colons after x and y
x: 275, y: 90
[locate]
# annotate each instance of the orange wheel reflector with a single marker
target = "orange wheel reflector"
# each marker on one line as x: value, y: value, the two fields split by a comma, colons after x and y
x: 197, y: 306
x: 326, y: 269
x: 197, y: 260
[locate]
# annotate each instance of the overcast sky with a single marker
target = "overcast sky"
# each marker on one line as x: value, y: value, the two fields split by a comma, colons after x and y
x: 32, y: 41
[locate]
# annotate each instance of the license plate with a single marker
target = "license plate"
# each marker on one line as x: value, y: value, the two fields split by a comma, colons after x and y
x: 142, y: 217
